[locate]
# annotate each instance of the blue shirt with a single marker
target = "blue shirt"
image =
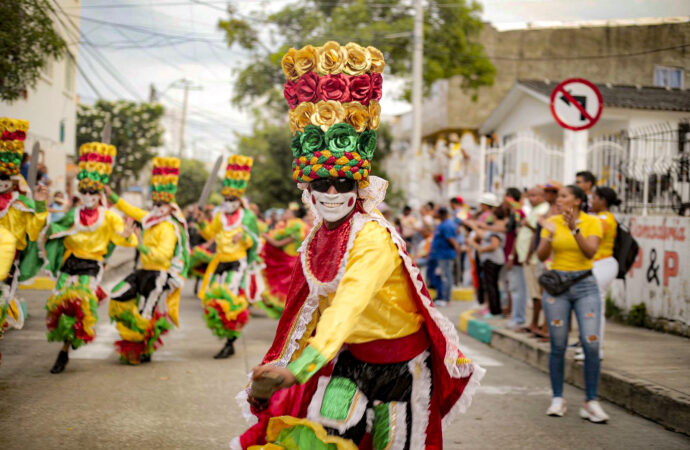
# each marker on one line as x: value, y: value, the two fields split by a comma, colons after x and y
x: 441, y: 248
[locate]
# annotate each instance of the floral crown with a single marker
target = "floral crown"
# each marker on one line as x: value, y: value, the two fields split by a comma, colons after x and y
x: 237, y: 174
x: 95, y: 165
x: 333, y: 93
x: 164, y: 176
x: 12, y: 136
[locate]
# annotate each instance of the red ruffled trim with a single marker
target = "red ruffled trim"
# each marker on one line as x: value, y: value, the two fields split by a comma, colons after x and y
x: 235, y: 325
x: 72, y: 308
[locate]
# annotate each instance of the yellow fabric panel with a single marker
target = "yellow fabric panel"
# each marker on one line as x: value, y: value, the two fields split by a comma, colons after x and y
x: 21, y: 223
x: 173, y: 302
x: 210, y: 230
x: 610, y: 226
x: 94, y: 244
x: 567, y: 255
x: 373, y: 301
x: 161, y: 241
x: 8, y: 248
x: 132, y: 211
x: 117, y: 308
x: 277, y: 424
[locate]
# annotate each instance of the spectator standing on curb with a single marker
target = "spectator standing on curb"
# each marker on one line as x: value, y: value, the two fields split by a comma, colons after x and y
x: 444, y: 248
x: 408, y: 225
x: 573, y: 237
x: 605, y: 265
x: 517, y: 289
x: 532, y: 268
x: 586, y: 181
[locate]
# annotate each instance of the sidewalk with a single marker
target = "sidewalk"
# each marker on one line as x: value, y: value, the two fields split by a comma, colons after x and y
x: 644, y: 371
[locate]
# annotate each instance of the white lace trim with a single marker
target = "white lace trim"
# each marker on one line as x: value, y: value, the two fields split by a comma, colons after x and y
x: 225, y: 221
x: 241, y: 399
x: 235, y: 444
x: 465, y: 399
x: 147, y: 304
x: 399, y: 437
x: 357, y: 409
x: 77, y: 225
x: 419, y: 401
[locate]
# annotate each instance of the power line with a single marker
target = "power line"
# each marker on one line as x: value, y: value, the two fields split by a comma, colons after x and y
x: 583, y: 57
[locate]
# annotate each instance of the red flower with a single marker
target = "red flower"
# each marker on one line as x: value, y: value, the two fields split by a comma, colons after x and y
x: 376, y: 86
x: 360, y: 89
x: 290, y: 94
x: 334, y: 87
x: 306, y: 87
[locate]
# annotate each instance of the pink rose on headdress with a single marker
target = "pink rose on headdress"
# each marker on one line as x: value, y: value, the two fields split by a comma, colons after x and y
x: 334, y: 87
x: 306, y: 87
x: 290, y: 93
x: 360, y: 89
x: 376, y: 86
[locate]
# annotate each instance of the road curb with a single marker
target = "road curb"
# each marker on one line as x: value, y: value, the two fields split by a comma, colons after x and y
x: 654, y: 402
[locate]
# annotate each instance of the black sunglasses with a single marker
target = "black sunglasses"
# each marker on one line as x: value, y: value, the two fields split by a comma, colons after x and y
x: 342, y: 185
x: 89, y: 192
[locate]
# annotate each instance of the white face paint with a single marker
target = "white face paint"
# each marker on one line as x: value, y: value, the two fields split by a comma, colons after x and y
x: 5, y: 185
x: 162, y: 210
x: 90, y: 201
x: 230, y: 206
x: 333, y: 207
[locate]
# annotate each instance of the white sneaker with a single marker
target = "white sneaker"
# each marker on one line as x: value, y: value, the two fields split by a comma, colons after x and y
x: 557, y: 408
x: 593, y: 412
x: 580, y: 355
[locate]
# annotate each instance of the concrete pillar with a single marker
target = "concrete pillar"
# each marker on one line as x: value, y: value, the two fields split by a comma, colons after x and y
x: 574, y: 153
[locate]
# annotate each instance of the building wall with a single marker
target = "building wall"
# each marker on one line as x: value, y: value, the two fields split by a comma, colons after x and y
x: 51, y: 106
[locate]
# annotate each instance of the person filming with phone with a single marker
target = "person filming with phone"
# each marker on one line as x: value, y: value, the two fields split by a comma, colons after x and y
x: 573, y: 238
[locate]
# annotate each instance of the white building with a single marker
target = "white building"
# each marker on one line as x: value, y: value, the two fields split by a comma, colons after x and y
x: 51, y: 107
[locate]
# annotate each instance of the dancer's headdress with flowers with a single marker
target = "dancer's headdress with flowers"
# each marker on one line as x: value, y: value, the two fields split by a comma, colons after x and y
x: 164, y: 176
x: 95, y: 165
x: 237, y: 174
x: 12, y: 136
x: 333, y: 93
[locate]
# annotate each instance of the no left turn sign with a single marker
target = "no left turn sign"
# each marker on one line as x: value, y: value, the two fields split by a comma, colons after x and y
x: 576, y: 104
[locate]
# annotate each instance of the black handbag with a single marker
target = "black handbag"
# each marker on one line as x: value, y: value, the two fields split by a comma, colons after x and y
x: 554, y: 284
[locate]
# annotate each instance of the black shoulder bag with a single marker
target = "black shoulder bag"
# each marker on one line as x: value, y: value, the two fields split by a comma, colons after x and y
x: 554, y: 284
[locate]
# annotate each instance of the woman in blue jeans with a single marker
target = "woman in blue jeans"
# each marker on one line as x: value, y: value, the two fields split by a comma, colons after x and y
x: 571, y: 239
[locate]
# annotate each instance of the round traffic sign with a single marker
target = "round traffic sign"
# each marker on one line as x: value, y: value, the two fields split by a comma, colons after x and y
x: 576, y: 104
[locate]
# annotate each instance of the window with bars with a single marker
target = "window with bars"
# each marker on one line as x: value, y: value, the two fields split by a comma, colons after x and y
x: 671, y: 77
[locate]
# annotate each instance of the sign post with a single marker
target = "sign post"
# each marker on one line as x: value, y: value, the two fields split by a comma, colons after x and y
x: 576, y: 104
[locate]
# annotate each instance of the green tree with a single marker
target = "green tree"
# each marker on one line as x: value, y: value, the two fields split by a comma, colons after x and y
x: 136, y: 132
x: 28, y: 41
x: 193, y: 176
x: 451, y: 47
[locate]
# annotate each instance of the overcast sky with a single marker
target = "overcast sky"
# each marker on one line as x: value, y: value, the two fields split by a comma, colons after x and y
x: 133, y: 43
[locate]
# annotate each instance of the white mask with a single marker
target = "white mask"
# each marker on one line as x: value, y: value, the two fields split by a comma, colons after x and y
x: 333, y: 207
x: 5, y: 185
x: 162, y: 210
x: 90, y: 201
x: 230, y: 206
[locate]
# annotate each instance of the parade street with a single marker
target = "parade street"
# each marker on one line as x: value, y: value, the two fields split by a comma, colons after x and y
x: 185, y: 399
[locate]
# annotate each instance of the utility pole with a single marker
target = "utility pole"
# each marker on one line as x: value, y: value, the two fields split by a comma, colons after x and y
x: 187, y: 86
x: 417, y: 84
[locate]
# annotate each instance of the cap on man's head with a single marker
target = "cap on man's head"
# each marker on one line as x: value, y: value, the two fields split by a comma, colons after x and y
x: 489, y: 199
x: 551, y: 185
x: 458, y: 199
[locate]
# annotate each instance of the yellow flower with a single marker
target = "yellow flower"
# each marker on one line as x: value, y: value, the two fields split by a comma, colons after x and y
x: 327, y: 113
x: 300, y: 117
x: 330, y: 58
x: 374, y: 115
x: 23, y: 125
x: 174, y: 162
x: 112, y: 151
x: 356, y: 115
x: 358, y: 59
x: 305, y: 60
x: 288, y: 63
x: 377, y: 61
x: 157, y: 161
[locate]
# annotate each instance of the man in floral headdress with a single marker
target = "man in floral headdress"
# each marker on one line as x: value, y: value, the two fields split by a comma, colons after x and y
x: 76, y: 248
x: 361, y: 359
x: 148, y: 299
x: 227, y: 285
x: 21, y: 218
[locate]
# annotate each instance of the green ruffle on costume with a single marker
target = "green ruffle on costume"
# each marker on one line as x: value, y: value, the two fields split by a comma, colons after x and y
x: 290, y: 433
x: 30, y: 261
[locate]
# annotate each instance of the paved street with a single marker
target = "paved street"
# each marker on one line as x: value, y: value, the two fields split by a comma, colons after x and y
x: 185, y: 399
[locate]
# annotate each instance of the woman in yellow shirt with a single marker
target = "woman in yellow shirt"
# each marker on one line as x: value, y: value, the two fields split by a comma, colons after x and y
x: 573, y: 238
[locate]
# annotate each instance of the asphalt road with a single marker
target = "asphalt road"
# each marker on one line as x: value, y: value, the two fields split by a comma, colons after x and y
x: 185, y: 399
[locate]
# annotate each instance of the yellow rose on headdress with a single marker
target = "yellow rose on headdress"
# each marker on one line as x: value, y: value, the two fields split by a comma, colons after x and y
x: 112, y: 151
x: 358, y: 59
x: 374, y: 115
x: 330, y: 58
x: 91, y: 166
x: 356, y: 115
x: 377, y: 61
x: 175, y: 163
x: 288, y: 64
x: 327, y: 113
x: 157, y: 161
x: 305, y: 60
x: 300, y: 117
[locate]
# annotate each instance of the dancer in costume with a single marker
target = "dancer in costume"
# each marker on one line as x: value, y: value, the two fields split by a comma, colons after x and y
x: 21, y: 216
x: 227, y: 285
x: 146, y: 302
x: 361, y: 356
x: 76, y: 248
x: 279, y: 253
x: 8, y: 249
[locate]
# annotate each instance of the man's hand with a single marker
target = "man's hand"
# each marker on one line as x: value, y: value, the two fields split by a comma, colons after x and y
x: 237, y: 238
x: 510, y: 263
x: 107, y: 190
x: 288, y: 378
x: 41, y: 193
x: 129, y: 228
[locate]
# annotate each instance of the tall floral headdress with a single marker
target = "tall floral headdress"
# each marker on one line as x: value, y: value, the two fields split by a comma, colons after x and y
x: 237, y: 174
x: 95, y: 165
x: 12, y: 136
x: 333, y: 93
x: 164, y: 176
